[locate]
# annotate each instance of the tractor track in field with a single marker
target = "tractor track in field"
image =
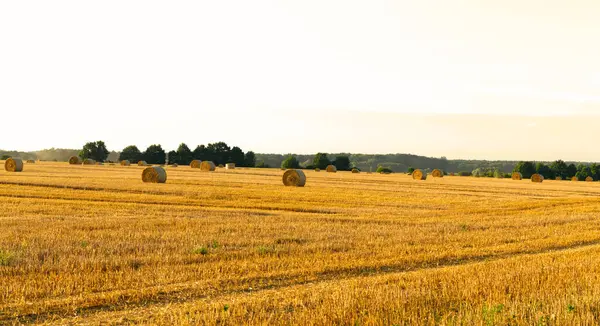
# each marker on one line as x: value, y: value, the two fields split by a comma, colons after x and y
x: 185, y: 292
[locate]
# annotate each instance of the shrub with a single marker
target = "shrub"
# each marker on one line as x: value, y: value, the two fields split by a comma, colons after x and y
x: 384, y: 170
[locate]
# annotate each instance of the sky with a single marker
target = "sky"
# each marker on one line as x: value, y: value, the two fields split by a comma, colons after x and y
x: 462, y: 79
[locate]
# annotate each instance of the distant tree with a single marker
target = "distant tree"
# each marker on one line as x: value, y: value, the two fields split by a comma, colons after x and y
x: 544, y: 170
x: 131, y: 153
x: 155, y: 154
x: 201, y: 153
x: 236, y: 155
x: 571, y: 170
x: 595, y: 171
x: 250, y: 159
x: 184, y: 155
x: 5, y: 157
x: 219, y: 152
x: 560, y: 168
x: 262, y: 165
x: 410, y: 170
x: 94, y: 150
x: 290, y: 163
x: 172, y: 157
x: 342, y: 163
x: 527, y: 169
x: 321, y: 161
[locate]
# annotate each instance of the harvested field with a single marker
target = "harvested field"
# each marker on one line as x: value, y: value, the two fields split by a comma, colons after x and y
x: 94, y: 244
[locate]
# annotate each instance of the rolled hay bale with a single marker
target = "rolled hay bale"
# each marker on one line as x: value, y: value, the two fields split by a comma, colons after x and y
x: 517, y: 176
x: 230, y: 166
x: 207, y: 166
x: 125, y: 163
x: 142, y: 163
x: 437, y: 173
x: 558, y: 178
x: 221, y: 166
x: 88, y: 161
x: 154, y: 174
x: 355, y: 170
x: 195, y: 164
x: 537, y: 178
x: 589, y: 179
x: 174, y: 165
x: 13, y: 165
x: 574, y: 179
x: 31, y: 161
x: 294, y: 178
x: 418, y: 175
x: 74, y: 160
x: 331, y: 169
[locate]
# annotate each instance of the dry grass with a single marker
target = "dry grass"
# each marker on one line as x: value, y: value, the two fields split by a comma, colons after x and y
x: 240, y: 248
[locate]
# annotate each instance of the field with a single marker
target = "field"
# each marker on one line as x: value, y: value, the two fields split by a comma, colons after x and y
x: 93, y: 244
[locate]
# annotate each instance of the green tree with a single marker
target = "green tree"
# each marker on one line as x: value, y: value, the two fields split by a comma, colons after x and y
x: 155, y: 154
x: 94, y: 150
x: 321, y: 161
x: 410, y: 170
x: 201, y: 153
x: 544, y: 170
x: 342, y: 163
x: 131, y: 153
x: 290, y: 163
x: 173, y: 157
x: 571, y: 170
x: 250, y: 159
x: 527, y: 169
x: 5, y: 157
x: 560, y: 168
x: 184, y: 155
x: 236, y: 155
x: 219, y: 152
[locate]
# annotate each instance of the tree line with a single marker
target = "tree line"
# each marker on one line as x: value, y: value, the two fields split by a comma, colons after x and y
x: 320, y: 161
x: 219, y: 153
x: 560, y: 169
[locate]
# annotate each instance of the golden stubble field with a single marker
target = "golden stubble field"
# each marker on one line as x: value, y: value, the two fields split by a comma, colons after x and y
x: 93, y: 244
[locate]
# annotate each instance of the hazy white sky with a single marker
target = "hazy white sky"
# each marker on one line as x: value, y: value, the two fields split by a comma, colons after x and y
x: 508, y: 79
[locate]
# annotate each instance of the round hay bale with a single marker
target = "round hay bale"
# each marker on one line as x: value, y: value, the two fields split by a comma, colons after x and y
x: 294, y: 178
x: 331, y: 169
x: 418, y: 175
x: 537, y: 178
x: 574, y: 179
x: 74, y: 160
x: 13, y: 165
x: 88, y: 161
x: 589, y: 179
x: 154, y: 174
x: 207, y: 166
x: 195, y: 164
x: 31, y: 161
x: 558, y: 178
x: 230, y: 166
x: 174, y: 165
x: 355, y: 170
x: 142, y: 163
x: 437, y: 173
x: 517, y: 176
x: 221, y: 166
x: 125, y: 163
